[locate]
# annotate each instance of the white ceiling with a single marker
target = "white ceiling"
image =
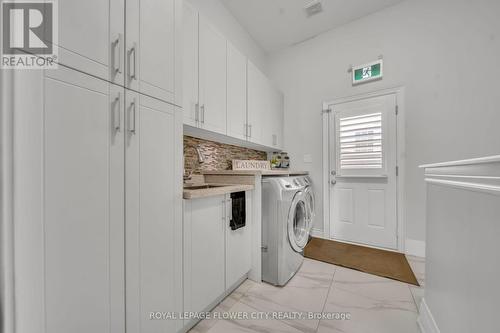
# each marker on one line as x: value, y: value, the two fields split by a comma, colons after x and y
x: 276, y: 24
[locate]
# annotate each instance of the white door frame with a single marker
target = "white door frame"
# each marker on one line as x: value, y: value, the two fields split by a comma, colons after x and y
x: 398, y: 92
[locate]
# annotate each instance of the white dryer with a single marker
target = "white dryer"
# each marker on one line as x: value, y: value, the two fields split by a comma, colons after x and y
x: 287, y: 217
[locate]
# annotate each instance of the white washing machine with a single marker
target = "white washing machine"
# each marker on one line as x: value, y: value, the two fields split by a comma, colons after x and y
x: 287, y: 219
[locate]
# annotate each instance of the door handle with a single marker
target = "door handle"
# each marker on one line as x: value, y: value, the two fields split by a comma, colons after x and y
x: 133, y: 51
x: 334, y: 173
x: 116, y: 45
x: 197, y: 112
x: 250, y: 131
x: 131, y: 118
x: 333, y: 182
x: 117, y: 119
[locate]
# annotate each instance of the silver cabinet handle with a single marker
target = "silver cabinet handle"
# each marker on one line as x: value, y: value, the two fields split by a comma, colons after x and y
x: 250, y: 131
x: 230, y: 209
x: 223, y: 212
x: 131, y: 52
x: 197, y: 112
x: 117, y: 111
x: 275, y: 139
x: 203, y: 114
x: 131, y: 118
x: 117, y: 51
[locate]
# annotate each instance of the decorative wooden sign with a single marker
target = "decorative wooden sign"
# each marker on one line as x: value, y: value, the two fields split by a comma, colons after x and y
x: 251, y: 165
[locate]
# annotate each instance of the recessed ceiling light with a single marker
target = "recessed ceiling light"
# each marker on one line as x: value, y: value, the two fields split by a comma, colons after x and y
x: 314, y: 7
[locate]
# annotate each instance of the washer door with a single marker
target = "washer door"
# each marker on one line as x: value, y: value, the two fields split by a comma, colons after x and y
x: 298, y: 223
x: 311, y: 206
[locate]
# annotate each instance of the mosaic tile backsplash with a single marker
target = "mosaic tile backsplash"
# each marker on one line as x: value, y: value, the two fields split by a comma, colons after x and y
x: 218, y: 156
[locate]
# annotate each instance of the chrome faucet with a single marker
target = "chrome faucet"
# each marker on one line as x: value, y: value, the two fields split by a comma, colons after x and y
x: 201, y: 158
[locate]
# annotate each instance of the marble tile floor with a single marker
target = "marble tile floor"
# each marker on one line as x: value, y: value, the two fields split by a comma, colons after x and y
x: 333, y: 298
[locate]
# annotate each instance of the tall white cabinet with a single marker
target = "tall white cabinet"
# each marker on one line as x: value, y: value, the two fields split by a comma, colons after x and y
x: 98, y: 182
x: 153, y: 213
x: 82, y: 204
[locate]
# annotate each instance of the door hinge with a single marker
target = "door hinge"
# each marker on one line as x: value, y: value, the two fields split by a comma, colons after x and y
x: 397, y: 171
x: 397, y: 110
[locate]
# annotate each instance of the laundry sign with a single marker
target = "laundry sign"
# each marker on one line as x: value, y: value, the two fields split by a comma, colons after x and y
x: 251, y: 165
x: 367, y: 72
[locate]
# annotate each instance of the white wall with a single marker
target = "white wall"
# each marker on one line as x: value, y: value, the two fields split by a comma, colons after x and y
x: 225, y: 22
x: 445, y: 53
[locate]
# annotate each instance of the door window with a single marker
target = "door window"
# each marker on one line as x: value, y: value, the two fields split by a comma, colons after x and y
x: 360, y: 144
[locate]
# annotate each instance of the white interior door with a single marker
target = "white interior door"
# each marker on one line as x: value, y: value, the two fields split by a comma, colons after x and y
x: 363, y: 161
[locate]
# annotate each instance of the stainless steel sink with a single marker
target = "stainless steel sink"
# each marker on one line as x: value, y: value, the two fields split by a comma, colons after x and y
x: 201, y: 187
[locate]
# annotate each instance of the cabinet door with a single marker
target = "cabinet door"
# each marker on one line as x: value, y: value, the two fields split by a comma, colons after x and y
x: 239, y: 246
x: 150, y: 54
x: 91, y: 37
x: 204, y: 229
x: 190, y: 64
x: 153, y: 213
x: 275, y: 130
x: 257, y: 103
x: 212, y: 78
x: 236, y: 93
x: 81, y: 173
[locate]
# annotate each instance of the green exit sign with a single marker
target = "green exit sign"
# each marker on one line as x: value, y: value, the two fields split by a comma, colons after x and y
x: 367, y: 72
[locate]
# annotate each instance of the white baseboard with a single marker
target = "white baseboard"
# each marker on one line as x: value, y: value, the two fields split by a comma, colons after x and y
x: 425, y: 319
x: 318, y: 233
x: 415, y: 248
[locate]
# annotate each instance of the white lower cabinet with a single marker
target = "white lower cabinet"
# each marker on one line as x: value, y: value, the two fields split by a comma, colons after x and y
x: 238, y: 248
x: 215, y: 257
x: 204, y: 225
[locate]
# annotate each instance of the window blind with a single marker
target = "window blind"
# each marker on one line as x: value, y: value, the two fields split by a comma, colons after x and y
x: 360, y: 139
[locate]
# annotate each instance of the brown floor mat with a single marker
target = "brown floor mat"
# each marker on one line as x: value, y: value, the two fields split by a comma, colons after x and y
x: 383, y: 263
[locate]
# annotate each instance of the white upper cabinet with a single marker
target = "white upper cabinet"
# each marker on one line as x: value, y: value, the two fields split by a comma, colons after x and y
x: 131, y: 43
x: 91, y: 37
x: 212, y: 78
x: 223, y: 92
x: 265, y: 110
x: 257, y: 104
x: 150, y: 54
x: 276, y: 118
x: 190, y: 65
x: 236, y: 93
